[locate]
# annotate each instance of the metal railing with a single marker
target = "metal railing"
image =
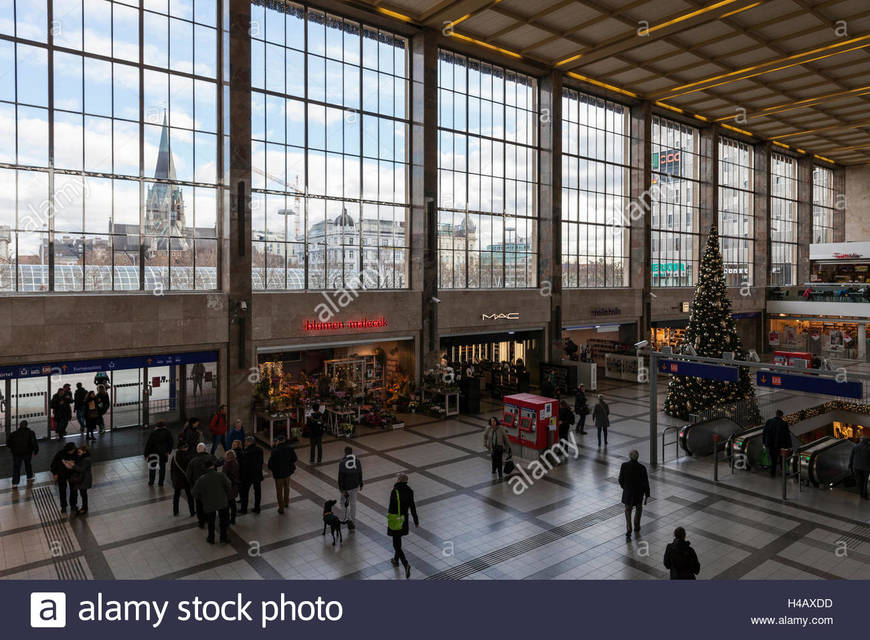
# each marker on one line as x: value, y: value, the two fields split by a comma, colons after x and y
x: 675, y: 441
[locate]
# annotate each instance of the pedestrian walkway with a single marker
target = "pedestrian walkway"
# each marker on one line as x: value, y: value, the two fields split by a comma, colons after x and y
x: 567, y: 525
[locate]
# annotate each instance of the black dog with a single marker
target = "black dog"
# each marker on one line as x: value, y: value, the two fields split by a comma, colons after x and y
x: 331, y: 520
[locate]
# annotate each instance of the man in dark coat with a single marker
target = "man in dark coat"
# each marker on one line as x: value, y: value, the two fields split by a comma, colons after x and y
x: 191, y: 433
x: 103, y: 404
x: 315, y: 435
x: 401, y: 502
x: 350, y: 483
x: 157, y: 450
x: 566, y: 421
x: 23, y: 446
x: 212, y: 490
x: 635, y: 490
x: 79, y: 398
x: 581, y: 408
x: 61, y: 409
x: 178, y: 473
x: 601, y: 418
x: 61, y: 474
x: 680, y: 558
x: 81, y: 479
x: 282, y: 464
x: 859, y: 463
x: 195, y: 468
x: 776, y: 436
x: 251, y: 474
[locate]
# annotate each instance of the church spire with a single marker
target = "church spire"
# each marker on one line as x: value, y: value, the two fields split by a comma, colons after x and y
x: 165, y: 165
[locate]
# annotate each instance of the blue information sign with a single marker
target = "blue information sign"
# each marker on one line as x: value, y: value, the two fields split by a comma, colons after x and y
x: 105, y: 364
x: 810, y: 384
x: 696, y: 370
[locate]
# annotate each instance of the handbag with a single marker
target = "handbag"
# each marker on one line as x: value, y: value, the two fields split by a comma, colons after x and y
x: 509, y: 466
x: 396, y: 521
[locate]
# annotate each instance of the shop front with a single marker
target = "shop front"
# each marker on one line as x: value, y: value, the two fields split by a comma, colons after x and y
x: 821, y: 337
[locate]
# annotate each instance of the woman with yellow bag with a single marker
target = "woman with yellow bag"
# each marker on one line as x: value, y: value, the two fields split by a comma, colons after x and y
x: 401, y: 503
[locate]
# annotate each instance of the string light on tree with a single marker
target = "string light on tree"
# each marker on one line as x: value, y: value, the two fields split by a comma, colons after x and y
x: 711, y: 331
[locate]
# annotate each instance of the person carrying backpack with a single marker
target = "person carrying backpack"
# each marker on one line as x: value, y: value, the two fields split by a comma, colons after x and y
x: 680, y: 558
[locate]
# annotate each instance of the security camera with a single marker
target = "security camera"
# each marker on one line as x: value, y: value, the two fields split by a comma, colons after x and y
x: 436, y: 300
x: 243, y: 306
x: 643, y: 344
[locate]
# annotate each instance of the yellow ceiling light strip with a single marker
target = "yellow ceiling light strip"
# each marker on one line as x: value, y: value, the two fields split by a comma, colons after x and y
x: 761, y: 73
x: 603, y: 85
x: 781, y: 144
x: 743, y: 131
x: 736, y: 11
x: 489, y: 46
x: 798, y: 104
x: 690, y: 15
x: 851, y: 125
x: 450, y: 25
x: 668, y: 106
x: 795, y: 56
x: 700, y: 117
x: 395, y: 14
x: 816, y: 155
x: 567, y: 60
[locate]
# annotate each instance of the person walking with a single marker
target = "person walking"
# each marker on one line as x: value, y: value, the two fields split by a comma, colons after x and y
x: 191, y: 433
x: 496, y: 441
x: 212, y: 491
x: 859, y: 463
x: 350, y: 483
x: 79, y: 398
x: 157, y: 450
x: 236, y: 434
x: 81, y: 479
x: 680, y: 559
x: 195, y: 468
x: 315, y: 436
x: 92, y: 415
x: 217, y: 426
x: 250, y: 474
x: 231, y: 471
x: 103, y: 404
x: 61, y: 473
x: 776, y: 436
x: 23, y: 446
x: 601, y: 418
x: 178, y: 475
x: 400, y: 505
x: 282, y: 464
x: 581, y: 408
x: 61, y: 411
x: 634, y: 481
x: 566, y: 421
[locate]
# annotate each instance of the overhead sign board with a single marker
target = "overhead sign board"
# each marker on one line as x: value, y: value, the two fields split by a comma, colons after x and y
x: 810, y: 384
x: 709, y: 371
x: 73, y: 367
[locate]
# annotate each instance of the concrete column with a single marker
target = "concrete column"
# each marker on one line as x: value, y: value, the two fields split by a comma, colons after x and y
x: 762, y: 214
x: 709, y: 174
x: 857, y: 202
x: 805, y: 219
x: 550, y: 209
x: 236, y: 257
x: 862, y: 341
x: 424, y: 190
x: 640, y: 213
x: 840, y: 204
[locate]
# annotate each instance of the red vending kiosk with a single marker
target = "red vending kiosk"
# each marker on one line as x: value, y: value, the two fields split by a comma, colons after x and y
x: 529, y: 420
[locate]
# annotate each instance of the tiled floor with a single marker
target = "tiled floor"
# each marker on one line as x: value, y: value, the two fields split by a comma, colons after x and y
x: 568, y: 525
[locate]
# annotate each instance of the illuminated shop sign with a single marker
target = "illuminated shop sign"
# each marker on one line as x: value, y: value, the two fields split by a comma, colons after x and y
x: 500, y: 316
x: 333, y: 325
x: 667, y: 268
x: 667, y: 163
x: 847, y: 256
x: 848, y: 431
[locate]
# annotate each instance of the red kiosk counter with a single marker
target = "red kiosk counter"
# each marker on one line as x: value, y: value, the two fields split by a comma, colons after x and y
x: 529, y: 420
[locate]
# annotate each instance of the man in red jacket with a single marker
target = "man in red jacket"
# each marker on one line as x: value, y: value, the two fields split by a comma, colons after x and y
x: 218, y: 428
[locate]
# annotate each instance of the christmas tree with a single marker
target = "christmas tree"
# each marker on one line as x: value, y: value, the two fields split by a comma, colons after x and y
x: 711, y: 331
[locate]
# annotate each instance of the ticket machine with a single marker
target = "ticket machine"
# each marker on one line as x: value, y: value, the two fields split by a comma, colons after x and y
x: 529, y: 420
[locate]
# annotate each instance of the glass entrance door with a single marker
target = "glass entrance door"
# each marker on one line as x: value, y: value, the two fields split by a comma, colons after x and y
x: 126, y: 394
x: 29, y: 401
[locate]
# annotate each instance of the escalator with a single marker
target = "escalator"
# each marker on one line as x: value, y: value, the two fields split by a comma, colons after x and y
x: 825, y: 462
x: 697, y: 439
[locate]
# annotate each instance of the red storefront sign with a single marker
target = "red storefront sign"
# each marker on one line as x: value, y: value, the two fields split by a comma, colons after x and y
x: 334, y: 325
